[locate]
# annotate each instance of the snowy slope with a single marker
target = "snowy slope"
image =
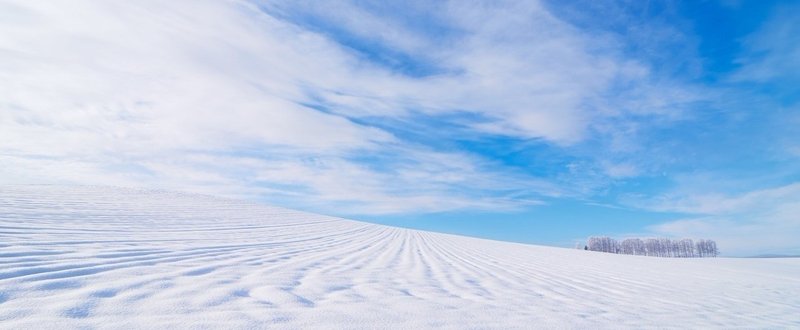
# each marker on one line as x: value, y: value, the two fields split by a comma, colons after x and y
x: 106, y: 257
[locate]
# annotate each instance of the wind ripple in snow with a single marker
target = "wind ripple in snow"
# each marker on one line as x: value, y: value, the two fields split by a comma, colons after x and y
x: 75, y: 257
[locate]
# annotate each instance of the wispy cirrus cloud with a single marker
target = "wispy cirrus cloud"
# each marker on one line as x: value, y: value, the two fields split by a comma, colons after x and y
x: 772, y: 54
x: 760, y: 221
x: 153, y: 92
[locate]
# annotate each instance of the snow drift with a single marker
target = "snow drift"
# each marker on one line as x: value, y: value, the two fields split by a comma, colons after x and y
x: 75, y: 257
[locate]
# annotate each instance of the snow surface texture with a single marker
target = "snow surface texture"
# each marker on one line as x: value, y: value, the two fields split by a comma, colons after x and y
x: 75, y: 257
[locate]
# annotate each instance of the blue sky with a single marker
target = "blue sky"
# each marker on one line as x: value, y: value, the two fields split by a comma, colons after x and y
x: 535, y: 121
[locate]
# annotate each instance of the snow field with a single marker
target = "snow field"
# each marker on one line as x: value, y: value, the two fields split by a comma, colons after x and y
x: 99, y: 257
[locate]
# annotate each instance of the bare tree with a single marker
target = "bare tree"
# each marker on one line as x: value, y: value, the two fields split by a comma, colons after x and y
x: 712, y: 247
x: 701, y: 248
x: 603, y: 244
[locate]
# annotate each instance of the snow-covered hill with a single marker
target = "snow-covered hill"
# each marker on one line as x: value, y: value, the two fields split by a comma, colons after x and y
x: 118, y: 258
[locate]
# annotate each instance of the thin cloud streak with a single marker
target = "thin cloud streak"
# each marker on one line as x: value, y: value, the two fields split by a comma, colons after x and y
x: 163, y: 82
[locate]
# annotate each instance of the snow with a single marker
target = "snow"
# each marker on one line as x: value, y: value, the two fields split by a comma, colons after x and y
x: 74, y: 257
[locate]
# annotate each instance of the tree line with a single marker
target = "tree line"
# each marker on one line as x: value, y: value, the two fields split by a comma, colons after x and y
x: 655, y: 247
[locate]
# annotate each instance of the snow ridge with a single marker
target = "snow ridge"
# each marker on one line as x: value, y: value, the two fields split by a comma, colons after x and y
x: 73, y: 257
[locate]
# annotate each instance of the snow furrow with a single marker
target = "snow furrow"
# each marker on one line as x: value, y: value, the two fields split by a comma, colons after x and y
x: 73, y: 257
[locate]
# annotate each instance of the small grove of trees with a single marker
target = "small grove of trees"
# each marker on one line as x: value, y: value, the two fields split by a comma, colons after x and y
x: 655, y: 247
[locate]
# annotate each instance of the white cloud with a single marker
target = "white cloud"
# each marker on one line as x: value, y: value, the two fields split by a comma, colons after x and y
x: 759, y: 221
x: 217, y: 96
x: 772, y: 53
x: 620, y: 170
x: 530, y: 74
x: 720, y: 204
x: 163, y: 75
